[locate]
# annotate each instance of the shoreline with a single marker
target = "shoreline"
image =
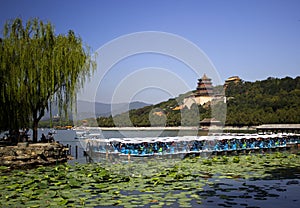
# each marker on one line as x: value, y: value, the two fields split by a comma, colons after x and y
x: 171, y: 128
x: 26, y: 155
x: 175, y: 128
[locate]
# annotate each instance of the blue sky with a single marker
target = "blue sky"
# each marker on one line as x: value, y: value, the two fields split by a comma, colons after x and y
x: 253, y: 39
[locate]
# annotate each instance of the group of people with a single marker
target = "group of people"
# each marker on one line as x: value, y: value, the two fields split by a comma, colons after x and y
x: 47, y: 139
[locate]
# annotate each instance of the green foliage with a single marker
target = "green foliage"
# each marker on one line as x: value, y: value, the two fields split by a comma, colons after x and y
x: 146, y: 116
x: 269, y: 101
x: 248, y: 103
x: 236, y: 159
x: 38, y: 67
x: 60, y: 123
x: 143, y: 183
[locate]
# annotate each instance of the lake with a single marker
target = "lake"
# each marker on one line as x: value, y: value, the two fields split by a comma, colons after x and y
x: 279, y: 188
x: 67, y: 137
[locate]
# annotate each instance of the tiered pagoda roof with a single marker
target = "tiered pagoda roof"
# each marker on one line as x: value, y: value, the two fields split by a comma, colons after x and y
x: 204, y: 87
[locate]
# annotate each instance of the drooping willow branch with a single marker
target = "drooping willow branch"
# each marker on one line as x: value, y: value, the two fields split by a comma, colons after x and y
x: 38, y: 66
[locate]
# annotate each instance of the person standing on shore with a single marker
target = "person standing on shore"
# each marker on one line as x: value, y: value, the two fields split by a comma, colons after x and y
x: 43, y: 138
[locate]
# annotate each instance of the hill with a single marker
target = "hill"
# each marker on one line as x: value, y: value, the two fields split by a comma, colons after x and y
x: 161, y: 114
x: 273, y: 100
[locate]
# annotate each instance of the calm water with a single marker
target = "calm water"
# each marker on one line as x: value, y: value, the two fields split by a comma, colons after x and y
x: 252, y: 194
x: 68, y: 137
x: 283, y: 192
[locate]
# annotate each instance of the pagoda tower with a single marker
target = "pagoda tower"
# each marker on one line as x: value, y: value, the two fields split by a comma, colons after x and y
x: 204, y: 94
x: 204, y: 87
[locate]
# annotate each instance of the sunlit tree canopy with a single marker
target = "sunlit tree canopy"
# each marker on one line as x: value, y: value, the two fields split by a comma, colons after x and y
x: 38, y: 66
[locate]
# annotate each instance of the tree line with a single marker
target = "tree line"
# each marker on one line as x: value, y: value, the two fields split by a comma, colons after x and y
x: 273, y: 100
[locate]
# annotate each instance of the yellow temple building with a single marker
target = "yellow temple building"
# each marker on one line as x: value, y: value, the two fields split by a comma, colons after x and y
x: 204, y: 93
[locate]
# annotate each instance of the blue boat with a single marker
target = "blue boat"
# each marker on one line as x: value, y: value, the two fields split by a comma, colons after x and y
x: 214, y: 144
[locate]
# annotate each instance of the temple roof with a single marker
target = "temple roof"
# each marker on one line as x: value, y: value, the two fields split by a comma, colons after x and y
x: 204, y: 76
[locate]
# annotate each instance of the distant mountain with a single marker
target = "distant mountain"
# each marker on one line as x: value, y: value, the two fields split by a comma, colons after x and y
x: 86, y: 109
x: 104, y: 109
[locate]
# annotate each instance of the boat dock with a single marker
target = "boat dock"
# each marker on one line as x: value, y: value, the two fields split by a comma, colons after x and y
x: 279, y: 128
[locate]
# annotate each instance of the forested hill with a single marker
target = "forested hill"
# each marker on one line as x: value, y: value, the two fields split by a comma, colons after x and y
x: 269, y: 101
x: 272, y: 100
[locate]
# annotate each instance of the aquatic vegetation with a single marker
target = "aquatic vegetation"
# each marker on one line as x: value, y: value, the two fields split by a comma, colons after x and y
x: 154, y: 183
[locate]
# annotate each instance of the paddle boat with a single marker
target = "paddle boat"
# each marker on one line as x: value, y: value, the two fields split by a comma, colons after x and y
x: 215, y: 144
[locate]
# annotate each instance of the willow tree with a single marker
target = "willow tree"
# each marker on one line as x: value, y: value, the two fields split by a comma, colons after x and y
x: 37, y: 67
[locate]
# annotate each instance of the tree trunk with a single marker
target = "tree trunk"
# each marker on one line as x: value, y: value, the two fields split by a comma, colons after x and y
x: 35, y: 124
x: 35, y: 130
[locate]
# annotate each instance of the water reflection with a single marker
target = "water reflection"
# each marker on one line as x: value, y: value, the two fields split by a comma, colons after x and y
x: 245, y: 193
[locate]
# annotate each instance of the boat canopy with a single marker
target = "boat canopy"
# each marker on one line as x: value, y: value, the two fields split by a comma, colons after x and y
x: 138, y: 140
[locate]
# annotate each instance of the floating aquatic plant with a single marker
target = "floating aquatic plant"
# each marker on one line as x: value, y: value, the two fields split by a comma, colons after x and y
x: 152, y: 183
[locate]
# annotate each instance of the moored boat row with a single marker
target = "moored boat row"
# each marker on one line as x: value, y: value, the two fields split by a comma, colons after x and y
x: 151, y: 146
